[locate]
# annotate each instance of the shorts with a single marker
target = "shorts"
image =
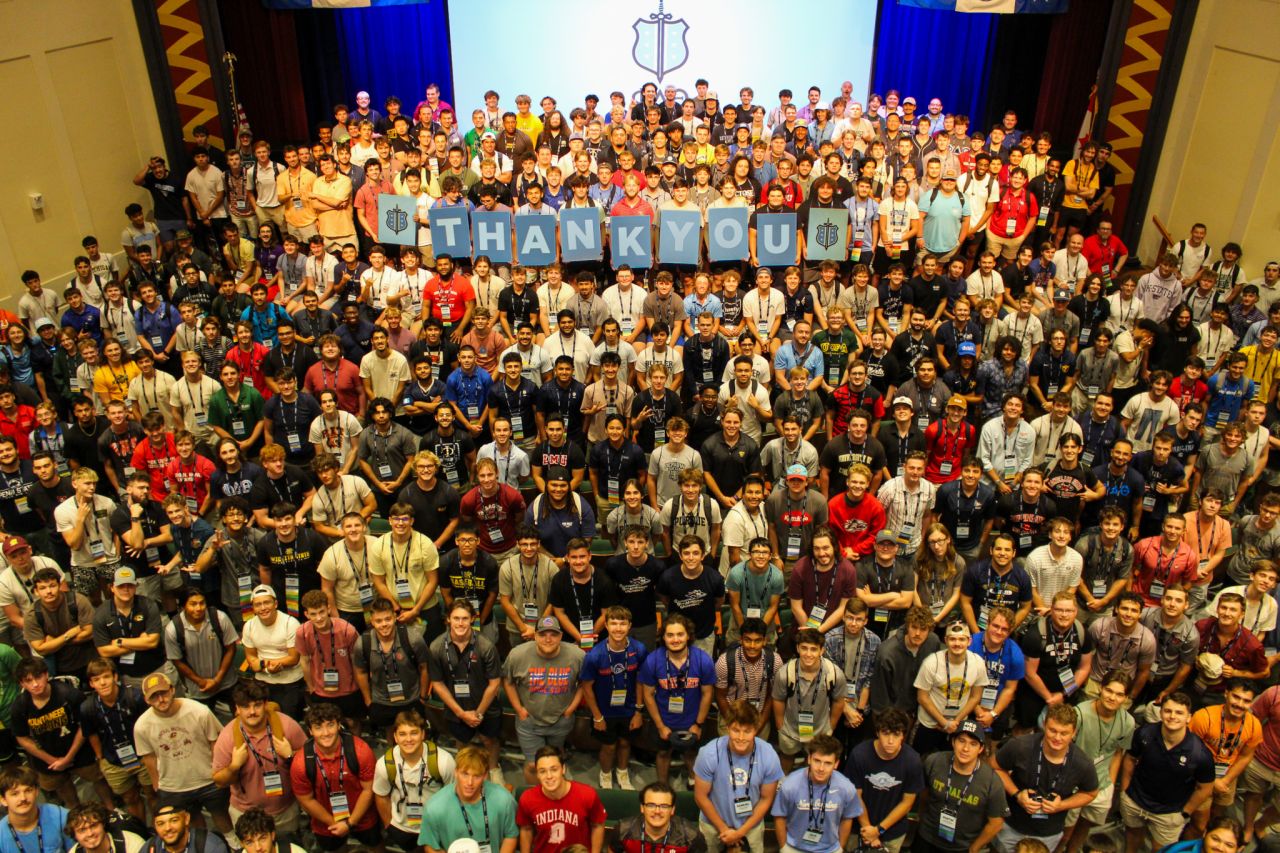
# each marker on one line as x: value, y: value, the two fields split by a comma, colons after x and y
x: 400, y: 839
x: 84, y: 580
x: 882, y: 261
x: 154, y: 586
x: 209, y: 797
x: 1097, y: 811
x: 1258, y: 778
x: 1073, y: 217
x: 1223, y: 799
x: 351, y: 705
x: 1003, y: 247
x: 85, y: 769
x: 615, y: 729
x: 169, y: 228
x: 490, y: 727
x: 791, y: 745
x: 1164, y: 829
x: 384, y: 716
x: 534, y: 735
x: 123, y: 779
x: 304, y: 233
x: 370, y: 837
x: 754, y: 839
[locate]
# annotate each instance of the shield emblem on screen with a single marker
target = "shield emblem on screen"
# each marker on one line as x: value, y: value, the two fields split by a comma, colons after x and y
x: 660, y: 46
x: 827, y: 234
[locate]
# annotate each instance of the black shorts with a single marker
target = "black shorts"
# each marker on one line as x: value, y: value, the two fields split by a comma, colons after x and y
x: 370, y: 837
x: 400, y: 840
x: 351, y: 705
x: 880, y: 265
x: 383, y: 716
x: 490, y: 726
x: 210, y: 797
x: 615, y: 729
x: 1073, y: 217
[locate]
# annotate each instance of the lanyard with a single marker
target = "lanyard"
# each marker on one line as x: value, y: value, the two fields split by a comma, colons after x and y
x: 751, y: 765
x: 459, y: 659
x: 591, y: 597
x: 337, y: 509
x: 17, y: 842
x: 404, y: 784
x: 364, y: 564
x: 1062, y: 768
x: 109, y: 713
x: 817, y: 823
x: 275, y: 759
x: 964, y: 792
x: 342, y: 765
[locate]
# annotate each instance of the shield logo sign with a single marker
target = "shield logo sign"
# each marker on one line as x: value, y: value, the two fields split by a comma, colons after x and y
x: 660, y: 46
x: 827, y: 234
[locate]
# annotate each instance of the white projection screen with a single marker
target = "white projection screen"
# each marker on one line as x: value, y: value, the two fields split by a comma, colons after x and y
x: 569, y: 48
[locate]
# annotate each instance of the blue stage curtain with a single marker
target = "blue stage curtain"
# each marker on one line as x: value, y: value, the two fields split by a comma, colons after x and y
x: 395, y: 50
x: 934, y: 54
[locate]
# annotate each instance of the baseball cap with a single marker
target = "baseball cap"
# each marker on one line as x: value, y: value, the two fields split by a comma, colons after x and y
x: 909, y: 99
x: 44, y: 321
x: 261, y: 590
x: 712, y: 95
x: 822, y: 105
x: 124, y: 575
x: 949, y: 175
x: 886, y: 536
x: 972, y: 729
x: 183, y: 234
x: 967, y: 348
x: 576, y: 135
x: 156, y: 682
x: 1062, y: 295
x: 549, y: 623
x: 488, y: 134
x: 904, y: 401
x: 13, y: 545
x: 957, y: 400
x: 798, y: 472
x: 958, y: 629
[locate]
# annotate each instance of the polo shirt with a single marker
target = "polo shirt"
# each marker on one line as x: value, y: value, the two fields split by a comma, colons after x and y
x: 1164, y: 779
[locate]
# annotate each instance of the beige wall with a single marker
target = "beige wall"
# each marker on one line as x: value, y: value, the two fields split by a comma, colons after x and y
x: 1221, y: 159
x: 86, y: 124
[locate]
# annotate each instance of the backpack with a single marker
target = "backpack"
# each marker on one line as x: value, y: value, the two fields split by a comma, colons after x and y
x: 676, y: 503
x: 1181, y: 247
x: 433, y: 764
x: 309, y: 760
x: 366, y: 644
x: 828, y: 668
x: 273, y: 720
x: 119, y: 822
x: 731, y: 660
x: 42, y: 615
x: 180, y: 633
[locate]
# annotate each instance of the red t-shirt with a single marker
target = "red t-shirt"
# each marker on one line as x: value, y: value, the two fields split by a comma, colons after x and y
x: 847, y: 400
x: 1179, y: 391
x: 250, y: 364
x: 190, y: 479
x: 1021, y: 207
x: 155, y: 461
x: 855, y: 525
x: 496, y: 517
x: 18, y: 427
x: 345, y: 380
x: 352, y: 783
x: 1244, y: 652
x: 947, y: 449
x: 1151, y: 565
x: 561, y: 823
x: 329, y: 651
x: 455, y: 294
x: 1097, y: 254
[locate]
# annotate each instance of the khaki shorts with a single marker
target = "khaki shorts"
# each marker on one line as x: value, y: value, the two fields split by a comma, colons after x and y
x: 122, y: 779
x: 154, y: 586
x: 1164, y: 829
x: 1222, y: 799
x: 1258, y: 778
x: 754, y: 839
x: 51, y: 781
x: 1097, y: 811
x: 1003, y: 247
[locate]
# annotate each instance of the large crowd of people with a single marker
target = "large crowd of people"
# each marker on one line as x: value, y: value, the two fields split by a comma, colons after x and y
x: 965, y: 541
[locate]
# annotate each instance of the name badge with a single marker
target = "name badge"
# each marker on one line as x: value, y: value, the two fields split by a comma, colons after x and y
x: 813, y: 836
x: 297, y: 203
x: 338, y: 806
x: 754, y: 612
x: 473, y: 413
x: 947, y: 825
x: 945, y: 469
x: 923, y: 422
x: 816, y: 616
x: 395, y: 691
x: 157, y: 342
x: 989, y: 694
x: 495, y: 535
x: 1084, y: 335
x: 675, y: 704
x: 804, y: 723
x: 1156, y: 590
x: 202, y: 419
x: 794, y: 540
x: 413, y: 814
x: 742, y: 806
x: 1086, y: 457
x: 1149, y: 503
x: 272, y: 785
x: 587, y: 628
x: 1024, y: 542
x: 462, y: 690
x: 22, y: 504
x: 237, y: 427
x: 366, y: 595
x: 1067, y: 678
x: 126, y: 755
x: 850, y: 690
x: 330, y: 679
x: 294, y: 442
x: 128, y: 658
x: 97, y: 550
x: 517, y: 427
x: 659, y: 436
x: 402, y: 588
x: 882, y: 614
x: 962, y: 531
x: 617, y: 698
x: 613, y: 489
x: 1099, y: 587
x: 384, y: 472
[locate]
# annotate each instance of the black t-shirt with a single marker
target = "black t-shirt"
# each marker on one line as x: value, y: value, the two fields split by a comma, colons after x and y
x: 517, y: 307
x: 896, y: 447
x: 299, y: 558
x: 291, y: 487
x: 475, y: 582
x: 840, y: 455
x: 697, y: 598
x: 568, y: 456
x: 443, y: 357
x: 566, y: 402
x: 730, y: 465
x: 928, y: 294
x: 908, y: 350
x: 114, y: 725
x: 82, y: 445
x: 702, y: 424
x: 882, y: 784
x: 1016, y: 279
x: 882, y: 370
x: 116, y: 449
x: 291, y: 425
x: 616, y: 465
x: 453, y: 451
x: 299, y: 361
x: 582, y: 601
x: 143, y: 618
x: 662, y: 410
x: 153, y: 518
x: 54, y: 726
x: 1055, y: 651
x: 433, y: 510
x: 1023, y: 758
x: 637, y: 586
x: 167, y: 195
x: 1028, y: 522
x: 46, y: 499
x: 1067, y: 487
x: 16, y: 508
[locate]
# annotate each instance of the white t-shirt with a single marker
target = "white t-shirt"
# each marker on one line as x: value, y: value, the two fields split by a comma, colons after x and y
x: 579, y: 348
x: 901, y: 214
x: 535, y: 363
x: 750, y: 417
x: 385, y: 375
x: 206, y: 185
x: 1148, y: 419
x: 154, y: 394
x: 949, y: 685
x: 97, y: 530
x: 984, y: 286
x: 1124, y: 314
x: 670, y: 359
x: 627, y: 308
x: 979, y: 192
x: 381, y: 283
x: 1069, y: 270
x: 19, y: 593
x: 336, y: 437
x: 413, y: 783
x: 273, y: 641
x: 762, y: 310
x: 330, y: 505
x: 625, y: 351
x: 665, y: 466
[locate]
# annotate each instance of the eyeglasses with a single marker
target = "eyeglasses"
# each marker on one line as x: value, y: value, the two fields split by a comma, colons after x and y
x: 662, y: 807
x: 400, y: 518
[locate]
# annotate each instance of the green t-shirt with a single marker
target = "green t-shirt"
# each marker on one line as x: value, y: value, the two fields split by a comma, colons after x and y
x: 240, y: 418
x: 9, y: 689
x: 836, y: 351
x: 1100, y: 740
x: 445, y: 818
x: 756, y: 590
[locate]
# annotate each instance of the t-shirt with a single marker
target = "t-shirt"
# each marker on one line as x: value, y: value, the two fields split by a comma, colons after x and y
x: 949, y: 685
x: 446, y: 819
x: 329, y: 651
x: 51, y: 830
x: 806, y: 693
x: 273, y: 642
x: 815, y: 808
x: 414, y: 784
x: 882, y: 783
x: 973, y: 800
x: 562, y: 822
x: 697, y: 598
x: 181, y: 742
x: 333, y: 774
x: 398, y: 664
x: 545, y: 685
x: 1024, y: 759
x: 249, y: 788
x: 678, y: 690
x: 734, y: 776
x: 52, y: 726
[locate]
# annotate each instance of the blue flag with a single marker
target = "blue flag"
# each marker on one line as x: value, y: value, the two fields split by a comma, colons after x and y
x: 535, y: 239
x: 727, y: 234
x: 491, y: 234
x: 580, y: 234
x: 776, y: 240
x: 679, y: 236
x: 632, y: 244
x: 395, y: 219
x: 828, y: 234
x: 450, y: 230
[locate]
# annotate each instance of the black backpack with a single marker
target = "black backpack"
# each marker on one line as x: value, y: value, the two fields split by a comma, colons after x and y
x: 309, y: 760
x: 180, y: 633
x: 366, y: 645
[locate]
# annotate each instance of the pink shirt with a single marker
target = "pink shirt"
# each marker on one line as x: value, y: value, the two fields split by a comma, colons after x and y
x: 329, y: 651
x: 248, y: 790
x: 1267, y: 709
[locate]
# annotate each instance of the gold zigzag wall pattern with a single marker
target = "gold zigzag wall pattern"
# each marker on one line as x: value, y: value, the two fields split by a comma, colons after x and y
x: 1145, y: 39
x: 188, y: 59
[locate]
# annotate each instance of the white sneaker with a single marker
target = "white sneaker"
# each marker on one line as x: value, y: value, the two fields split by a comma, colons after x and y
x: 624, y: 780
x: 606, y: 780
x: 495, y: 775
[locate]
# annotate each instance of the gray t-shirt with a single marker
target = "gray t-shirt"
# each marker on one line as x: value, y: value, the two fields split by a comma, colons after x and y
x: 804, y: 694
x: 203, y: 650
x: 983, y: 795
x: 666, y: 465
x: 545, y: 685
x: 1252, y: 544
x: 1174, y: 646
x: 1224, y: 472
x: 397, y: 665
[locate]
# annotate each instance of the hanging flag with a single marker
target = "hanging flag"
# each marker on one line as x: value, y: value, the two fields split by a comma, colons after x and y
x: 1000, y: 7
x: 1086, y: 124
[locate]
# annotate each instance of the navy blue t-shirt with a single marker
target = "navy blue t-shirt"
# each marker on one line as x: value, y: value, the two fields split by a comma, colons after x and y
x: 1164, y: 779
x: 881, y: 784
x: 697, y: 598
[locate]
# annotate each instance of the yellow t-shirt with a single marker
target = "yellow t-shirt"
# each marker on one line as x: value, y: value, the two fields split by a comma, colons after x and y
x: 1086, y: 177
x: 111, y: 383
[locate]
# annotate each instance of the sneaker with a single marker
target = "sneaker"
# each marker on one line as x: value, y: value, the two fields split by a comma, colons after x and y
x: 606, y: 780
x: 495, y: 775
x: 624, y: 780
